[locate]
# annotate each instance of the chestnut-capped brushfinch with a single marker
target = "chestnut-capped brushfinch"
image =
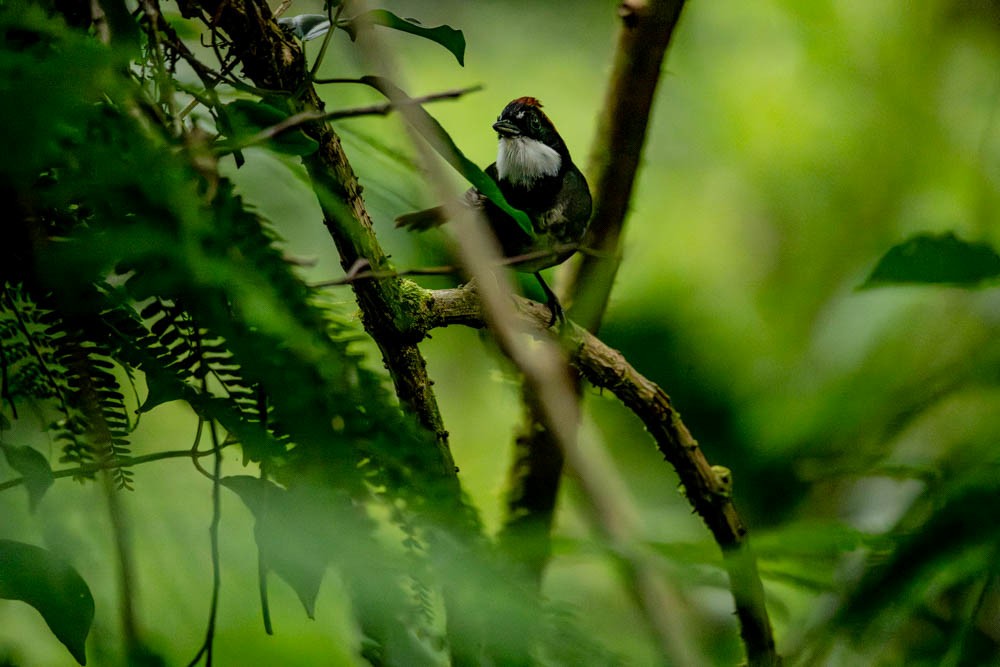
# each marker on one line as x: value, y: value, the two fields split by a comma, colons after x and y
x: 536, y: 174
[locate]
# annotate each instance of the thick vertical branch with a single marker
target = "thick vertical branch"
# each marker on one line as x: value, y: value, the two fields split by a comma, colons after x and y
x: 382, y: 300
x: 275, y: 61
x: 646, y: 30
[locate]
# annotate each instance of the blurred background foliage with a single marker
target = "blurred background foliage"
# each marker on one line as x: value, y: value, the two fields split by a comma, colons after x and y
x: 792, y: 145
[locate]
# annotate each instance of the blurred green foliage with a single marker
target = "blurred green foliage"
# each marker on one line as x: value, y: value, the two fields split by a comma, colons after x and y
x: 793, y: 145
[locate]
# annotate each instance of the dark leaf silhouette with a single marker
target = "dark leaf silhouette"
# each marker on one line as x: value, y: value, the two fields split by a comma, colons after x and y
x: 50, y: 585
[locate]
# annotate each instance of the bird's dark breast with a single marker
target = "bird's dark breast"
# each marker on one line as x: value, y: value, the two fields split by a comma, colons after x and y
x: 559, y: 209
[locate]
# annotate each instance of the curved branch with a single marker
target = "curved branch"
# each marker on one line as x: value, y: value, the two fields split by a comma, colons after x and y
x: 708, y: 492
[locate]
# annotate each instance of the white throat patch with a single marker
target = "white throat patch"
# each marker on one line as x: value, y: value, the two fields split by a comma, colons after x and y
x: 522, y: 161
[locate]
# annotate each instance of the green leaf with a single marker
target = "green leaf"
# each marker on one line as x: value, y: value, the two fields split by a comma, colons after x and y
x: 445, y: 35
x: 161, y: 388
x: 243, y: 120
x: 34, y: 467
x: 445, y: 146
x: 286, y: 535
x: 50, y: 585
x: 936, y: 259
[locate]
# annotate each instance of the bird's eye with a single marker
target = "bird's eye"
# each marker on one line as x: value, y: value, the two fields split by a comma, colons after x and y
x: 535, y: 123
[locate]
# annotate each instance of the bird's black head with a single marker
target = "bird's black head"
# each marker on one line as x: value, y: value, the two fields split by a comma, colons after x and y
x: 524, y: 117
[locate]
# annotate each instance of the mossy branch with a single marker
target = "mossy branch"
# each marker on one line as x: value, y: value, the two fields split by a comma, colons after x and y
x: 274, y: 60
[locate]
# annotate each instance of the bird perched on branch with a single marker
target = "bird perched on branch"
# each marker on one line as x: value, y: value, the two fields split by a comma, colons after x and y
x: 536, y: 174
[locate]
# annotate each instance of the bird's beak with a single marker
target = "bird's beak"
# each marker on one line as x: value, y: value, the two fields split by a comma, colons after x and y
x: 505, y: 128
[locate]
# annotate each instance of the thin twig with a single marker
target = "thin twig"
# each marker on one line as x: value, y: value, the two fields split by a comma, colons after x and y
x: 121, y: 462
x: 163, y: 80
x: 355, y: 273
x: 326, y: 38
x: 209, y: 77
x: 351, y: 278
x: 194, y: 449
x: 208, y: 646
x: 307, y: 117
x: 339, y: 79
x: 282, y: 8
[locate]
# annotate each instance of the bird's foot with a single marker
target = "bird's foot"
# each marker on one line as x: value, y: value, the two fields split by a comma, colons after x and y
x: 556, y: 309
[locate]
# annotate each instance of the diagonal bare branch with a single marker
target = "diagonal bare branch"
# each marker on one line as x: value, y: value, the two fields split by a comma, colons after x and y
x: 708, y: 493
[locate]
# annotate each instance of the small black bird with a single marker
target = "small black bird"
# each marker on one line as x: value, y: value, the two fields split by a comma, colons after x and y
x: 536, y: 175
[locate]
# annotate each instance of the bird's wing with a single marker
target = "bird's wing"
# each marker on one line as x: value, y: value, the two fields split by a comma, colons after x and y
x: 419, y: 221
x: 434, y: 217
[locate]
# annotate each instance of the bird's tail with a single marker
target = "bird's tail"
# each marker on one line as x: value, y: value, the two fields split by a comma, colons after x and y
x: 419, y: 221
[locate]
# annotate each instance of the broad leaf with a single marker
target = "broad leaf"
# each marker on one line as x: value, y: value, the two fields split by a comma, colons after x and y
x: 50, y: 585
x: 34, y: 467
x: 161, y: 388
x: 936, y: 259
x: 286, y: 535
x: 444, y: 145
x: 445, y: 35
